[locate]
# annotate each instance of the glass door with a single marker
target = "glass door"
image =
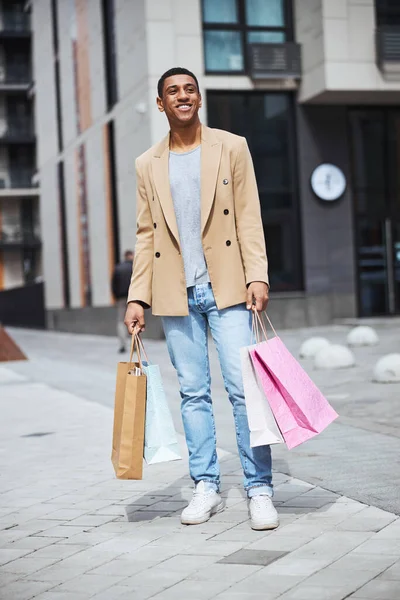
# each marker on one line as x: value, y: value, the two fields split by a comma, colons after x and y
x: 376, y: 188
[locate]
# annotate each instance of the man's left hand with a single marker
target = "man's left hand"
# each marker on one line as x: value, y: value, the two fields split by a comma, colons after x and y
x: 257, y: 296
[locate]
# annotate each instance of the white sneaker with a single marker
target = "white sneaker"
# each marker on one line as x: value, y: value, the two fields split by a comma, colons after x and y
x: 203, y: 504
x: 263, y: 513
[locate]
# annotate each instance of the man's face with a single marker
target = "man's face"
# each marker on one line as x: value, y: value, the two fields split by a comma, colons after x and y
x: 181, y: 100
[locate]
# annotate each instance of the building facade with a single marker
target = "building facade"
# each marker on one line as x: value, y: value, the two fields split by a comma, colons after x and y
x: 20, y: 246
x: 309, y: 83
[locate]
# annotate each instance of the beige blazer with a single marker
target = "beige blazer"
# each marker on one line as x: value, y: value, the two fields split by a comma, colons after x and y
x: 232, y: 231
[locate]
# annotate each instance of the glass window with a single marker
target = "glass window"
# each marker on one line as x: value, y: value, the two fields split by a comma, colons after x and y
x: 229, y: 25
x: 266, y: 120
x: 223, y: 50
x: 220, y: 11
x: 266, y: 37
x: 263, y: 13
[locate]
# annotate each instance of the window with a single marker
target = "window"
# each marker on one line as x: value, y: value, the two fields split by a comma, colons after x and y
x: 387, y: 12
x: 229, y: 25
x: 266, y: 120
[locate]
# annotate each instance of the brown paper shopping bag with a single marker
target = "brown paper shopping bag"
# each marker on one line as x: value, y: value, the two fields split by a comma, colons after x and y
x: 129, y: 418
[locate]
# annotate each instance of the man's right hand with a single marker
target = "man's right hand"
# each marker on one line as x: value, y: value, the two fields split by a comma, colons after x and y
x: 134, y: 318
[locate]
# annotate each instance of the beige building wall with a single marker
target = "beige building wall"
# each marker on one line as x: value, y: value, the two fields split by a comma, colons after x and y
x: 338, y: 52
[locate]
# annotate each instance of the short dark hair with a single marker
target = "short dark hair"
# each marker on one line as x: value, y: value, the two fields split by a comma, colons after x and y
x: 174, y: 71
x: 127, y: 254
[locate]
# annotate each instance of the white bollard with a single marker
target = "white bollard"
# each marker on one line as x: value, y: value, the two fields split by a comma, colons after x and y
x: 387, y: 369
x: 310, y: 347
x: 334, y: 356
x: 363, y: 335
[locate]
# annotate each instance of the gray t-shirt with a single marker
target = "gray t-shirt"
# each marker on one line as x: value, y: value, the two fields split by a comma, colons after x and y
x: 184, y: 179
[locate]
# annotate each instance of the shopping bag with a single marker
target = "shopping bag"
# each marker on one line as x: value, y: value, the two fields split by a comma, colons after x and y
x: 160, y: 441
x: 263, y: 427
x: 129, y: 417
x: 300, y: 409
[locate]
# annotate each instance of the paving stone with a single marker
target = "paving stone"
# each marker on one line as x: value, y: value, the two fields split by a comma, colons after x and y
x: 87, y: 581
x: 27, y: 565
x: 298, y: 567
x: 188, y: 563
x: 7, y: 555
x: 58, y: 573
x: 252, y: 557
x: 354, y: 561
x: 379, y: 589
x: 230, y: 594
x: 392, y: 573
x: 308, y: 592
x: 199, y: 590
x: 263, y: 581
x: 215, y: 548
x: 332, y: 545
x: 329, y: 577
x: 380, y: 546
x: 24, y: 590
x: 58, y: 551
x: 282, y: 543
x: 224, y: 572
x: 54, y: 595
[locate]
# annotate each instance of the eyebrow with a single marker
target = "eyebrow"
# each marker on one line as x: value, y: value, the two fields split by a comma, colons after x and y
x: 175, y: 85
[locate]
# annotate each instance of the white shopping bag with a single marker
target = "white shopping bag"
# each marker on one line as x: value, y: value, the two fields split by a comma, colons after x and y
x: 160, y: 441
x: 263, y: 427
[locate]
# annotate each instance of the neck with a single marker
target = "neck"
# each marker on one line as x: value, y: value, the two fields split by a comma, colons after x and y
x: 183, y: 139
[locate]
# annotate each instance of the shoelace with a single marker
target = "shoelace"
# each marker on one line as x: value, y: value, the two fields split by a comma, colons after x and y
x: 198, y: 499
x: 258, y: 501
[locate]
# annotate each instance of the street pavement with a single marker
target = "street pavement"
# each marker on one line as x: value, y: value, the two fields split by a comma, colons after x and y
x: 70, y: 531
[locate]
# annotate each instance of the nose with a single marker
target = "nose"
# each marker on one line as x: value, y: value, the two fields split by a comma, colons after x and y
x: 182, y: 94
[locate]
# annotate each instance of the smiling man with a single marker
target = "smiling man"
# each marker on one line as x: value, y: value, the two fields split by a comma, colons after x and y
x: 200, y: 263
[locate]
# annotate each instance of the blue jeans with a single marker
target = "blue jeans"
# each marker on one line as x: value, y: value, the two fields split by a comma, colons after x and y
x: 188, y: 348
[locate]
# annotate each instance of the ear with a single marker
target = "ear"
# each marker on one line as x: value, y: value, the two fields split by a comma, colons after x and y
x: 200, y: 100
x: 160, y: 104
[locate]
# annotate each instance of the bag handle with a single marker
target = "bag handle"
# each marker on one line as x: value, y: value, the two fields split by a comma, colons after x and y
x: 140, y: 341
x: 258, y: 326
x: 135, y: 346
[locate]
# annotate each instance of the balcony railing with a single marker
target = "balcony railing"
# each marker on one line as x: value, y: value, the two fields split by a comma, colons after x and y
x: 15, y: 22
x: 21, y: 129
x: 18, y: 179
x: 388, y: 50
x: 17, y: 237
x: 15, y: 74
x: 274, y: 61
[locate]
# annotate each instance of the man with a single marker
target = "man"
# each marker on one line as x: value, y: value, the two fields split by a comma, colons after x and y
x: 120, y: 284
x: 200, y: 262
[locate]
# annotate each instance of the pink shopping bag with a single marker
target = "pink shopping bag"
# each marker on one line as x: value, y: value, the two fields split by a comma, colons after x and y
x: 299, y: 407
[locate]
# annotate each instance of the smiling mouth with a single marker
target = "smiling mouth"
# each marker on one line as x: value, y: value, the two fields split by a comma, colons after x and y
x: 184, y: 107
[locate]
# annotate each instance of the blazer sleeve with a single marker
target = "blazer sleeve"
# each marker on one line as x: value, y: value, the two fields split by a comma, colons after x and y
x: 140, y: 288
x: 248, y: 217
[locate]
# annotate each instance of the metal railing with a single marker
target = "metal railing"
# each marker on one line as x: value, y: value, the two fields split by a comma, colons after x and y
x: 19, y: 236
x: 387, y: 39
x: 15, y: 74
x: 18, y: 179
x: 18, y: 128
x: 274, y: 61
x: 15, y: 22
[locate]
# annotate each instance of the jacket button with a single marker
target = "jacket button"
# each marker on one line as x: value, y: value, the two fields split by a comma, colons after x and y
x: 226, y: 212
x: 155, y: 225
x: 225, y: 182
x: 228, y: 243
x: 158, y: 255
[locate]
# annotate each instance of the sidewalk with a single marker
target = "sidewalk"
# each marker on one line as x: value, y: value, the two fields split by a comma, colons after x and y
x: 71, y: 531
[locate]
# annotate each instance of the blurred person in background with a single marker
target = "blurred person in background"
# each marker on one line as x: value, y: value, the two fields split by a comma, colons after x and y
x: 120, y: 285
x: 201, y: 263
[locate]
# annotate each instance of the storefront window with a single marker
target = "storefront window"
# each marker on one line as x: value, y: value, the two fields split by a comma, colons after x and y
x: 266, y: 120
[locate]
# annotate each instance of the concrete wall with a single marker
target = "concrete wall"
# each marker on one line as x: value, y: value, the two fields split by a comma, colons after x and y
x: 328, y: 244
x: 338, y: 52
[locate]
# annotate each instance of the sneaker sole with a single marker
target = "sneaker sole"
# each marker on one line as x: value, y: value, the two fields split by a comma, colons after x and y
x: 219, y: 508
x: 263, y: 526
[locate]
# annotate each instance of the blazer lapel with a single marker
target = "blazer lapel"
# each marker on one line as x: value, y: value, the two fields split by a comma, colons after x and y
x: 211, y: 149
x: 160, y: 168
